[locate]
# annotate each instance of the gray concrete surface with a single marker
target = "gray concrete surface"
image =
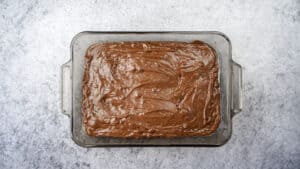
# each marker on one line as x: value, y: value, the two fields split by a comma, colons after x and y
x: 34, y: 43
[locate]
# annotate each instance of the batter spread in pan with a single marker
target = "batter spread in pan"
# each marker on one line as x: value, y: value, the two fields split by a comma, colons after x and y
x: 151, y: 89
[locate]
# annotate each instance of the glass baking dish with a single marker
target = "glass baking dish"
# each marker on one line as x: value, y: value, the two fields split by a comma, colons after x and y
x: 230, y: 79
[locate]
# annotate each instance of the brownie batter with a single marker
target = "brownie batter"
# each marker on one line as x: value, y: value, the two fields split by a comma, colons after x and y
x: 151, y: 89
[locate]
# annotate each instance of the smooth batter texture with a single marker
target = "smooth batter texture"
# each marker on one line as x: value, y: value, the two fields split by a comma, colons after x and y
x: 151, y: 89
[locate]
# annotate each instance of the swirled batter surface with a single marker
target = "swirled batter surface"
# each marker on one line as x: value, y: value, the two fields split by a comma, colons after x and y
x: 151, y: 89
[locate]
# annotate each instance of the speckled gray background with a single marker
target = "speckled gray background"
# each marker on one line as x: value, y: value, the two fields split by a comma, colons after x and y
x: 34, y: 43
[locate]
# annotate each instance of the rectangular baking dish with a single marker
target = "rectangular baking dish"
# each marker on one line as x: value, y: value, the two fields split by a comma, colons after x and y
x: 230, y: 79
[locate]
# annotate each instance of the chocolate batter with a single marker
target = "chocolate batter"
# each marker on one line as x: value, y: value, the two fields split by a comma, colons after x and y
x: 151, y: 89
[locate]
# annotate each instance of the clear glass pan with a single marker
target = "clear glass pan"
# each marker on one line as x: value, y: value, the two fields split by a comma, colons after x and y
x: 230, y: 78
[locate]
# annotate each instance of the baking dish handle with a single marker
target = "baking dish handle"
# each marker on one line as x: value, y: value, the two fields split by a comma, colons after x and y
x: 236, y: 95
x: 66, y: 88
